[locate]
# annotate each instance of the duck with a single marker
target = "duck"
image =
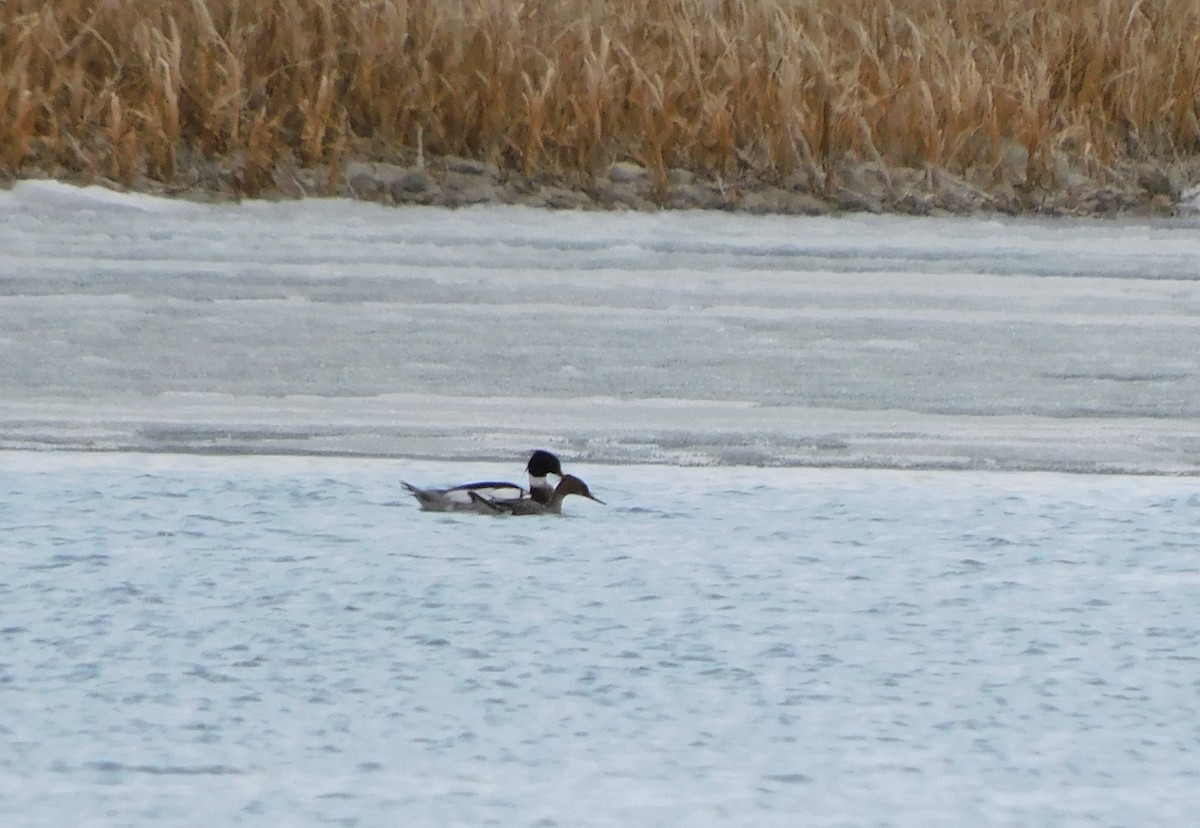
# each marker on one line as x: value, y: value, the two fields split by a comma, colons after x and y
x: 568, y: 485
x: 541, y: 464
x: 463, y: 498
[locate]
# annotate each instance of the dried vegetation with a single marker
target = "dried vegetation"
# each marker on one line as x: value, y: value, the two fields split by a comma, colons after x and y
x: 1000, y: 93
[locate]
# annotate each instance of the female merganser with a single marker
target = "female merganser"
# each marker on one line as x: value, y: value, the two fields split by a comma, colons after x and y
x: 462, y: 498
x: 569, y: 485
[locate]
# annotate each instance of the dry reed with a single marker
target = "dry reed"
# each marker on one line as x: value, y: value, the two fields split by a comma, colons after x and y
x: 725, y: 88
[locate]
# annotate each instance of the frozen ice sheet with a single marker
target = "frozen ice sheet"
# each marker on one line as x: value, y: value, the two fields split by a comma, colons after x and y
x: 128, y: 322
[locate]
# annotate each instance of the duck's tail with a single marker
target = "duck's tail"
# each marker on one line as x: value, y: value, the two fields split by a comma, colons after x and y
x: 426, y: 499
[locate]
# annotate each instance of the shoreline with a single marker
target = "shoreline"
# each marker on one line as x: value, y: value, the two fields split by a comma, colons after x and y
x: 1141, y: 190
x: 914, y: 108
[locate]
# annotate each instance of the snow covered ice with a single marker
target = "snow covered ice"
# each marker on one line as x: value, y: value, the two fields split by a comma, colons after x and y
x: 133, y: 323
x: 914, y: 617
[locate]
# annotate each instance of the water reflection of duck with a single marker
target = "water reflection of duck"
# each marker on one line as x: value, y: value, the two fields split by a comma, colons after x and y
x: 464, y: 498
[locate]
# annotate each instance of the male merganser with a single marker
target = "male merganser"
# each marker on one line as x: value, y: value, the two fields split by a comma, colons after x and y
x: 541, y: 464
x: 569, y: 485
x: 460, y: 498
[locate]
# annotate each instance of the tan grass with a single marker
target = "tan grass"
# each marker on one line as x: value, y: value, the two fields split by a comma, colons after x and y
x: 727, y: 88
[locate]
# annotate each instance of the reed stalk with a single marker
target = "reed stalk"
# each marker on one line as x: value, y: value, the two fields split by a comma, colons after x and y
x: 725, y: 88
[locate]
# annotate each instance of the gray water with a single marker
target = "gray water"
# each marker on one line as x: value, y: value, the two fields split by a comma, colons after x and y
x: 274, y: 641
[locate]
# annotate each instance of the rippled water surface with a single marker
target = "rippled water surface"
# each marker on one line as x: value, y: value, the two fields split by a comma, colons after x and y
x: 290, y: 641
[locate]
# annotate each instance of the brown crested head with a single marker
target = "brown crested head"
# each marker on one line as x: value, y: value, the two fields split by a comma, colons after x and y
x: 571, y: 484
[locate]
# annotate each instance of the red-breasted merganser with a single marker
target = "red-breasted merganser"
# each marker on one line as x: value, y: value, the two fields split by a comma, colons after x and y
x: 462, y: 498
x: 569, y: 485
